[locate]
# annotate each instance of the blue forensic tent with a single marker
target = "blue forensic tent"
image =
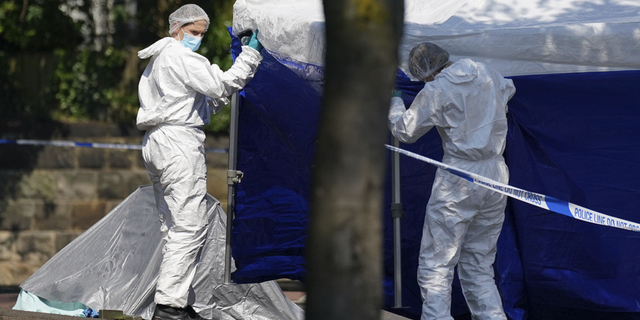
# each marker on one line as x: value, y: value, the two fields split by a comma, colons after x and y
x: 573, y: 134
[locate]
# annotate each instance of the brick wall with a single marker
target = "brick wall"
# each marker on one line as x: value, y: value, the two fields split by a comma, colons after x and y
x: 50, y: 195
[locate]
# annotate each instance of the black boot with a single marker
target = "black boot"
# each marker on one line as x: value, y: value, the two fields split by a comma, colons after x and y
x: 163, y: 312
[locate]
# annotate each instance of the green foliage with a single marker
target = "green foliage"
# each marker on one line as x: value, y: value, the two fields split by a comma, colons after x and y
x: 95, y: 74
x: 10, y: 103
x: 88, y: 86
x: 39, y: 26
x: 219, y: 121
x: 215, y: 46
x: 217, y: 41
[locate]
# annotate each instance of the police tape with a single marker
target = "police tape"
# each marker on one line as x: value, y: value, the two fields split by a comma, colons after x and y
x: 539, y: 200
x: 89, y: 145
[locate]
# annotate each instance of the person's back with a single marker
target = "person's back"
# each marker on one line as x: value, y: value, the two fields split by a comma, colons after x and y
x: 474, y: 123
x: 467, y: 103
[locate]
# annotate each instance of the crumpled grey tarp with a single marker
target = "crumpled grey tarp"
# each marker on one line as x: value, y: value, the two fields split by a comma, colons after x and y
x: 114, y: 265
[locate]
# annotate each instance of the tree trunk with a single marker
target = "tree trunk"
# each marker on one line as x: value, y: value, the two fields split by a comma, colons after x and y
x: 344, y: 259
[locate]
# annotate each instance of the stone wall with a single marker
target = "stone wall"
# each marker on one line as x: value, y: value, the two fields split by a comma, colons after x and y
x: 49, y: 195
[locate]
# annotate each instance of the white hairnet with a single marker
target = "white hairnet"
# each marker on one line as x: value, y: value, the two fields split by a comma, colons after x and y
x: 425, y: 59
x: 188, y: 13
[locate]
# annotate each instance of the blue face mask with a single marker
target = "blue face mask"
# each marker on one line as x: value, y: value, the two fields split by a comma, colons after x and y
x: 190, y: 41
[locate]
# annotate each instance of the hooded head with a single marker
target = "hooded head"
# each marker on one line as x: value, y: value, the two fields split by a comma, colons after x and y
x: 425, y: 59
x: 189, y: 13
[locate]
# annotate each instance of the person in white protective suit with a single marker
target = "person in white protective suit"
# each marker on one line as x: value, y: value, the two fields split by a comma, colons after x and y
x: 178, y: 91
x: 467, y: 102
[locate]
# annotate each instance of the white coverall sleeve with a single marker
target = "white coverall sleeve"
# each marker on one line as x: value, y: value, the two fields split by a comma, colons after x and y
x: 215, y: 83
x: 216, y: 104
x: 411, y: 124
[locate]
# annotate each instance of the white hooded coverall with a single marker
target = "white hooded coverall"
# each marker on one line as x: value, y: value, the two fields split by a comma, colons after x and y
x: 178, y: 91
x: 467, y: 103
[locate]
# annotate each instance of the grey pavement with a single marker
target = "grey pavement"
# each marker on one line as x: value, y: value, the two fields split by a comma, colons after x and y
x: 7, y: 300
x: 9, y: 314
x: 391, y: 316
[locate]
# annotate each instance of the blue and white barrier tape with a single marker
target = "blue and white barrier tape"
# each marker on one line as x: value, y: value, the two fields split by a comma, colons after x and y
x: 89, y: 145
x: 539, y: 200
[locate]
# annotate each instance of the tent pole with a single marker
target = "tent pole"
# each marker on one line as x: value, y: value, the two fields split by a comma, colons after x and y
x: 233, y: 178
x: 397, y: 213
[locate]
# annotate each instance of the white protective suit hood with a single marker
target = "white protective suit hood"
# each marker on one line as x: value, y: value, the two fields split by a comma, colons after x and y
x: 462, y: 71
x: 155, y: 48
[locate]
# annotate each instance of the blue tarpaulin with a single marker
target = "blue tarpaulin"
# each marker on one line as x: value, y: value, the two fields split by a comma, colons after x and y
x: 573, y: 136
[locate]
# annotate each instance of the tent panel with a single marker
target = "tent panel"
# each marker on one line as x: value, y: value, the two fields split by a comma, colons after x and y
x: 513, y: 37
x: 277, y: 124
x: 571, y: 136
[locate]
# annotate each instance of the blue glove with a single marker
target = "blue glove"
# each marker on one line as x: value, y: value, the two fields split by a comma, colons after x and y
x: 254, y: 42
x: 397, y: 93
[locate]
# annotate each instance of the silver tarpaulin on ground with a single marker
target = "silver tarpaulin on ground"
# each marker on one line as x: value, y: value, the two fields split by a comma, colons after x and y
x: 114, y: 265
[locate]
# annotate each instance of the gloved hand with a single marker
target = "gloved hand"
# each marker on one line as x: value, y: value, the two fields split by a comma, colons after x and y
x: 254, y: 42
x: 397, y: 93
x: 245, y: 40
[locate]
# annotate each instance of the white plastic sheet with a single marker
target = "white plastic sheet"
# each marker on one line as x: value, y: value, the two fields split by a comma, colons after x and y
x: 114, y: 265
x: 514, y: 37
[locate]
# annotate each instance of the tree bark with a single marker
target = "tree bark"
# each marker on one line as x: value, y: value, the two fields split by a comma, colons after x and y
x: 344, y: 260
